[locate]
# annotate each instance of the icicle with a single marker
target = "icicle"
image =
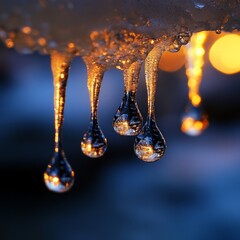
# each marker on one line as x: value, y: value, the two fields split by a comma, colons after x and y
x: 59, y: 176
x: 94, y: 143
x: 128, y: 119
x: 150, y: 144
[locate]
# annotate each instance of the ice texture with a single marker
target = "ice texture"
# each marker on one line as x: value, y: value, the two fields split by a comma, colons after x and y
x: 109, y: 31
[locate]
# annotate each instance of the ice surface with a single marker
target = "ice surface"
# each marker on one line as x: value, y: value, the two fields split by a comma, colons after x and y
x: 108, y: 30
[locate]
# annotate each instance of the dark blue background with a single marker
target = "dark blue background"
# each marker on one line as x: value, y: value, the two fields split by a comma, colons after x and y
x: 193, y: 193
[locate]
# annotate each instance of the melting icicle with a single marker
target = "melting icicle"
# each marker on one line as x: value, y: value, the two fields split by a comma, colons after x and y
x: 128, y: 119
x: 194, y: 122
x: 59, y: 176
x: 94, y: 143
x: 149, y: 144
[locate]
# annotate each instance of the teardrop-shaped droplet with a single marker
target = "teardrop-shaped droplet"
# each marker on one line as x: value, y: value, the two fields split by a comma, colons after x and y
x: 94, y: 143
x: 59, y: 176
x: 194, y: 121
x: 149, y: 144
x: 128, y: 119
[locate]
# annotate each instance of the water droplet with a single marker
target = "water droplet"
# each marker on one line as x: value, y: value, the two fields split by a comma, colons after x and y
x: 183, y: 38
x: 59, y: 176
x: 149, y: 144
x: 94, y: 143
x: 128, y: 120
x: 194, y: 121
x: 218, y: 31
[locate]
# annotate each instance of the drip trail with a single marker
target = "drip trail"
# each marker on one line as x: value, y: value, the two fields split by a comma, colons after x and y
x: 194, y: 121
x: 149, y: 144
x: 59, y: 176
x: 128, y: 119
x: 94, y: 143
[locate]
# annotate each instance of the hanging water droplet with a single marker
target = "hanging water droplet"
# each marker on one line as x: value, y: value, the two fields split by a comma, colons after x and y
x: 218, y: 31
x: 128, y: 120
x: 194, y: 121
x: 149, y: 144
x: 59, y: 176
x: 94, y: 143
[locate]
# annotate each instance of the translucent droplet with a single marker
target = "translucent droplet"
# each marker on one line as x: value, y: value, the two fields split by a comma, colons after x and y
x: 149, y: 144
x: 194, y: 121
x: 128, y: 119
x: 218, y: 31
x: 183, y: 38
x: 59, y: 176
x: 94, y: 143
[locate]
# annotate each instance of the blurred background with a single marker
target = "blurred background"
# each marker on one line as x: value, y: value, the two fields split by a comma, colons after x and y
x: 192, y: 193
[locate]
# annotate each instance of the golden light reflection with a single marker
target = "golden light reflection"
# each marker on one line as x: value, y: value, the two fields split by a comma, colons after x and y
x: 26, y: 30
x: 194, y: 63
x: 194, y: 127
x: 9, y: 43
x: 171, y: 62
x: 224, y: 54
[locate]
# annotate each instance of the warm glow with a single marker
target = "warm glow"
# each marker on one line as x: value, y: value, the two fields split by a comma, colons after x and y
x: 42, y: 41
x: 26, y: 30
x: 193, y: 127
x: 9, y: 43
x: 194, y: 56
x: 224, y: 55
x: 171, y: 62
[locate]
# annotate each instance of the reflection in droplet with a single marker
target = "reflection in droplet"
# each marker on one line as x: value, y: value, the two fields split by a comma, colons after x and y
x: 94, y: 143
x: 128, y: 119
x: 59, y: 176
x: 149, y: 144
x: 194, y: 121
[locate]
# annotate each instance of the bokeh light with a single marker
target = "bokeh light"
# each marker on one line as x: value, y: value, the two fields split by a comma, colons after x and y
x: 224, y: 54
x: 171, y: 62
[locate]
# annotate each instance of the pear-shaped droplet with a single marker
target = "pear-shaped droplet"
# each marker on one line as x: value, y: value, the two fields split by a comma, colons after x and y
x: 59, y: 176
x: 94, y: 143
x: 128, y: 119
x: 194, y: 121
x: 149, y: 144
